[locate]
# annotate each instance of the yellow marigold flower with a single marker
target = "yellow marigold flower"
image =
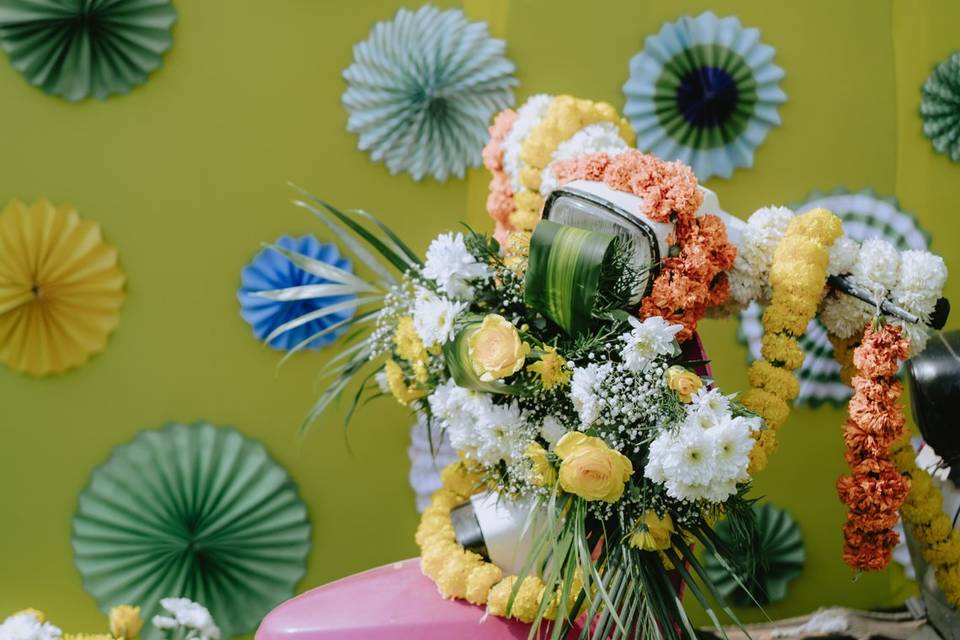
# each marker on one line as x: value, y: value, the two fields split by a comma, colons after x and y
x: 771, y: 408
x: 407, y: 343
x: 398, y: 386
x: 525, y: 603
x: 462, y: 478
x: 948, y: 578
x: 789, y: 316
x: 543, y: 473
x: 530, y: 177
x: 551, y: 368
x: 576, y: 585
x: 653, y: 533
x: 946, y: 552
x: 758, y: 460
x: 452, y: 578
x: 779, y: 382
x: 780, y: 348
x: 495, y: 348
x: 591, y: 469
x: 125, y: 621
x: 818, y: 224
x: 433, y: 558
x: 480, y: 581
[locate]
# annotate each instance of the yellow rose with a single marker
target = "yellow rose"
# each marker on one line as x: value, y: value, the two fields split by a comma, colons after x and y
x: 495, y: 348
x: 653, y: 533
x: 591, y: 469
x: 684, y: 382
x: 398, y: 386
x: 125, y: 621
x: 544, y: 475
x: 552, y: 369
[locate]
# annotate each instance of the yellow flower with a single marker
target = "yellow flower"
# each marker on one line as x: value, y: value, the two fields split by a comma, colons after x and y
x: 544, y: 475
x: 684, y: 382
x: 591, y: 469
x: 462, y: 477
x: 495, y: 348
x: 653, y: 533
x: 552, y: 369
x: 398, y: 386
x: 125, y: 621
x: 408, y: 344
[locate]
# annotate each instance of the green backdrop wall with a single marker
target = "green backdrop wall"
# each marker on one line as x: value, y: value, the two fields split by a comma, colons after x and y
x: 187, y: 176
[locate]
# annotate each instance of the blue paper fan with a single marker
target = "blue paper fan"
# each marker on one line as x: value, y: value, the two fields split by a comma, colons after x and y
x: 704, y: 91
x: 422, y: 90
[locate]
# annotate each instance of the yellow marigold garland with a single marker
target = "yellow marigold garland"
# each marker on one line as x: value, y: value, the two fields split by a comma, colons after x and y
x: 923, y: 512
x: 843, y: 349
x: 564, y: 117
x: 797, y: 278
x: 462, y: 574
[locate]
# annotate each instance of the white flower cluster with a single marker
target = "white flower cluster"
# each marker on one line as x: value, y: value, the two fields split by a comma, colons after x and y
x: 913, y: 280
x: 27, y: 626
x: 708, y: 455
x: 482, y: 430
x: 648, y: 340
x: 452, y: 267
x: 190, y: 620
x: 434, y: 317
x: 750, y: 276
x: 529, y: 116
x: 601, y: 137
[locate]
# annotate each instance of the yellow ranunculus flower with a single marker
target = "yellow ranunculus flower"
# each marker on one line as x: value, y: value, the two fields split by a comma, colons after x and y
x: 495, y: 348
x: 591, y: 469
x: 653, y: 533
x: 408, y: 344
x: 544, y: 475
x: 398, y: 387
x: 684, y: 382
x: 552, y: 369
x: 125, y: 621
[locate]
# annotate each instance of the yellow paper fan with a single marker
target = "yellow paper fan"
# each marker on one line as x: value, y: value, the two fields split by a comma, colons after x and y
x: 60, y: 288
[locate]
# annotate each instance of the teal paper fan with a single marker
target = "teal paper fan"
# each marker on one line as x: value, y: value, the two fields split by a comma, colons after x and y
x: 81, y: 48
x: 422, y: 90
x: 940, y: 107
x: 194, y: 511
x: 781, y: 559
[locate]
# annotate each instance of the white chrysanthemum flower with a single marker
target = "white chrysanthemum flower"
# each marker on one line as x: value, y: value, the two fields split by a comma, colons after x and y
x: 452, y: 267
x: 708, y: 405
x: 648, y: 340
x: 877, y: 267
x: 529, y: 115
x: 732, y: 443
x: 922, y: 278
x: 26, y: 626
x: 750, y: 276
x: 456, y: 409
x: 552, y: 430
x: 433, y: 318
x: 192, y: 615
x: 844, y: 315
x: 585, y: 389
x: 382, y: 384
x: 600, y: 137
x: 502, y: 434
x: 843, y: 255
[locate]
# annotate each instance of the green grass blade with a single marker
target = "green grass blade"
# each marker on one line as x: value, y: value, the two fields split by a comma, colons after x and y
x: 363, y: 318
x: 397, y: 243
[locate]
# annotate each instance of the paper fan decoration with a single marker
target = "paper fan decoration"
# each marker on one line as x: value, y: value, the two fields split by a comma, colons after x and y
x: 275, y: 291
x: 81, y: 48
x: 429, y: 454
x: 60, y: 288
x: 422, y: 90
x: 940, y: 107
x: 781, y: 557
x: 704, y: 91
x: 864, y: 215
x: 194, y: 511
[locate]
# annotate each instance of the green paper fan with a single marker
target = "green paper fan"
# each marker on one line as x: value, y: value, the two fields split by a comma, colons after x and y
x: 79, y: 48
x: 781, y: 559
x: 192, y: 511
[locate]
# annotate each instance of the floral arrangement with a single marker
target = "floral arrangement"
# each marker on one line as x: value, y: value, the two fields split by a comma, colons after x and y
x: 876, y: 490
x: 183, y: 620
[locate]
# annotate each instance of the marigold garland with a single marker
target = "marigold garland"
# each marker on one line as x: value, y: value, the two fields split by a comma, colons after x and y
x: 931, y: 527
x: 500, y: 198
x: 843, y: 349
x: 462, y: 574
x: 875, y: 491
x: 797, y: 278
x: 692, y: 278
x: 564, y: 117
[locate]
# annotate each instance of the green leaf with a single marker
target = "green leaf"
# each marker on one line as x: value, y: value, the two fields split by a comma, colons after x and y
x: 322, y: 269
x: 319, y: 313
x: 308, y: 292
x: 457, y: 355
x: 563, y: 273
x: 397, y: 242
x: 362, y: 318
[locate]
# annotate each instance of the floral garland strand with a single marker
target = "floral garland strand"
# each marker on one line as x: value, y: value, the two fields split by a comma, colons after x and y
x: 693, y: 277
x: 797, y: 278
x: 930, y: 526
x: 875, y: 490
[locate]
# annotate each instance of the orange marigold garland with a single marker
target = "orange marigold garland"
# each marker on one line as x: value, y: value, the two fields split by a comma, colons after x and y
x: 500, y: 199
x: 931, y: 527
x: 692, y: 278
x: 875, y: 491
